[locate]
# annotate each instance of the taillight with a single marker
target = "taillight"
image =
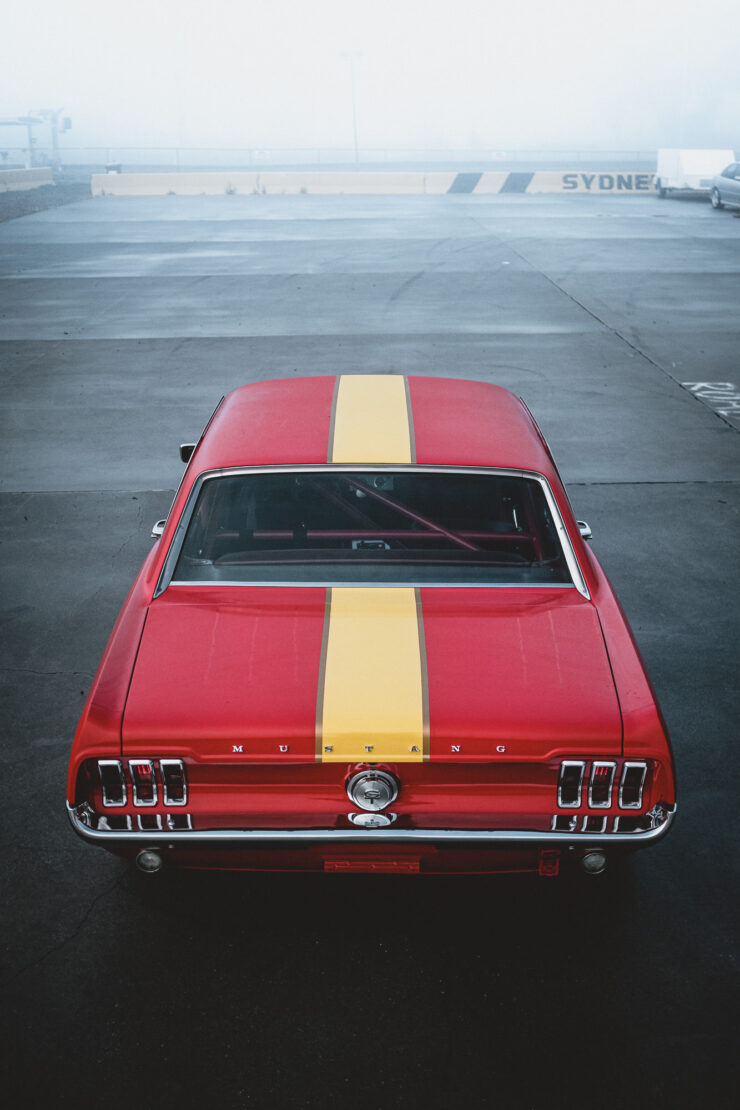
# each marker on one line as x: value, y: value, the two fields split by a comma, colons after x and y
x: 600, y: 785
x: 570, y: 783
x: 610, y: 783
x: 112, y: 782
x: 631, y: 785
x: 174, y: 783
x: 143, y: 781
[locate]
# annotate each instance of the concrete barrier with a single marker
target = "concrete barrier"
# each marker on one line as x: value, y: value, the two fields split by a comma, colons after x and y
x: 614, y: 182
x: 491, y: 181
x: 273, y: 183
x: 369, y: 183
x: 13, y: 180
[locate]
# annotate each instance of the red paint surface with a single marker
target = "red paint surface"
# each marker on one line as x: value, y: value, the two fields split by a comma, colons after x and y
x: 521, y: 668
x: 465, y: 423
x: 225, y: 666
x: 270, y: 423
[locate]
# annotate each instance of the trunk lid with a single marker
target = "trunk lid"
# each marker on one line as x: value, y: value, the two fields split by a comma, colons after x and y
x: 230, y: 673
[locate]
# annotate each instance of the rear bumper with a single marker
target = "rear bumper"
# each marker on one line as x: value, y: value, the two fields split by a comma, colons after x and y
x: 215, y: 839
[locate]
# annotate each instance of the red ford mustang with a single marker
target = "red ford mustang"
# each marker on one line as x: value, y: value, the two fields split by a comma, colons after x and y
x: 371, y: 637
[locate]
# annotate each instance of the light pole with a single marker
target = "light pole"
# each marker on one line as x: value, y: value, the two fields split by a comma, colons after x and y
x: 350, y: 55
x: 51, y: 115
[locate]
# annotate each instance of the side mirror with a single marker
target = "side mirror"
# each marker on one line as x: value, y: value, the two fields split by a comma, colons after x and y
x: 584, y: 529
x: 186, y: 451
x: 158, y: 529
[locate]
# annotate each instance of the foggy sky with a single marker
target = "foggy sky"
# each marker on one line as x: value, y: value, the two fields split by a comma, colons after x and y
x: 488, y: 74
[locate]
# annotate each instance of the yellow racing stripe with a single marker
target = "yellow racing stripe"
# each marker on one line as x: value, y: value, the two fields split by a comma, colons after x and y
x: 372, y: 697
x: 371, y: 421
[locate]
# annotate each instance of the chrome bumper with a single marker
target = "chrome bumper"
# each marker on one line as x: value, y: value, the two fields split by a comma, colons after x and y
x: 478, y: 838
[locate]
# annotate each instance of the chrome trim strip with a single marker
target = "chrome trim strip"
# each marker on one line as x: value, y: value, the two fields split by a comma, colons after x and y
x: 601, y: 763
x: 571, y: 763
x: 156, y: 817
x: 105, y: 828
x: 124, y: 793
x: 393, y: 834
x: 168, y: 567
x: 625, y: 767
x: 386, y: 585
x: 180, y: 766
x: 179, y: 817
x: 571, y: 818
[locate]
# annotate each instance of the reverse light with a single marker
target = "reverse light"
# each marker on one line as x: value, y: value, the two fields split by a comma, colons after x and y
x: 149, y: 862
x: 593, y: 863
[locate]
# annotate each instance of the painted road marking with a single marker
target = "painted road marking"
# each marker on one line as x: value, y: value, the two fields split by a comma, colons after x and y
x: 723, y: 397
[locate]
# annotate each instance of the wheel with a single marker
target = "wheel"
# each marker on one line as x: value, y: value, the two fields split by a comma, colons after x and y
x: 716, y: 199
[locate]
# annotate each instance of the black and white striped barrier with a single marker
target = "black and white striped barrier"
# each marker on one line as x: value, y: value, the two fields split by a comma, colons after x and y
x: 616, y: 181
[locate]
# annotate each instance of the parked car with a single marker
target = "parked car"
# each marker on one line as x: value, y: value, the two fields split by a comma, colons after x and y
x: 726, y: 187
x: 371, y: 637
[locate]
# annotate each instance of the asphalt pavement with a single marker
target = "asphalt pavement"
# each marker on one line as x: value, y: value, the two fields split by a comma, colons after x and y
x: 122, y: 322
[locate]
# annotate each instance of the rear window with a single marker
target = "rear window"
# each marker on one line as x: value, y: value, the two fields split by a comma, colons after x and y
x: 401, y: 527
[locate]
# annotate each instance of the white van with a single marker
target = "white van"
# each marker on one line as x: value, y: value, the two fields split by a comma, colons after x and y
x: 689, y: 170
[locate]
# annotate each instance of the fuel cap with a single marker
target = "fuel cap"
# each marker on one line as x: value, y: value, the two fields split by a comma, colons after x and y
x: 372, y: 790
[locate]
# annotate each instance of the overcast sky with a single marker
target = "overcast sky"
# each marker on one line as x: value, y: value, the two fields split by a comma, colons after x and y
x: 489, y: 74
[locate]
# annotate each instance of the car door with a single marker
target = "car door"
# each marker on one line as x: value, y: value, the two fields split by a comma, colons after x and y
x: 732, y: 188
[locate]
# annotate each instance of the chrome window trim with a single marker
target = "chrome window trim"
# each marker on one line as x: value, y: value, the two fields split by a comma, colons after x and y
x: 571, y: 763
x: 173, y: 553
x: 601, y: 763
x: 119, y: 766
x: 166, y: 799
x: 392, y: 834
x: 625, y: 767
x: 379, y: 585
x: 134, y: 791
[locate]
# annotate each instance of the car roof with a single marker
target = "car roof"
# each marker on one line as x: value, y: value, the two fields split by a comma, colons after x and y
x: 376, y: 419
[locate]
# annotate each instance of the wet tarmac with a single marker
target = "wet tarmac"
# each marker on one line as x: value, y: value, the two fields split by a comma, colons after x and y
x: 122, y: 322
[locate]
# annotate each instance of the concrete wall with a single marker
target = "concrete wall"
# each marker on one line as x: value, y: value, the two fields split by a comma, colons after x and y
x: 612, y: 181
x: 10, y: 180
x: 273, y: 183
x: 363, y: 182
